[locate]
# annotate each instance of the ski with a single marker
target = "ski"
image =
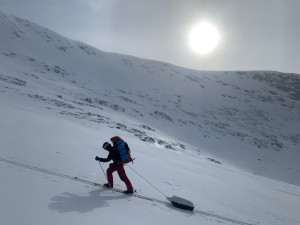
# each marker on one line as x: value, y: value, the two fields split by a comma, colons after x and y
x: 134, y: 194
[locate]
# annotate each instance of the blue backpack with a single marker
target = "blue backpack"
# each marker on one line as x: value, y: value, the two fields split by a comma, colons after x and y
x: 122, y: 150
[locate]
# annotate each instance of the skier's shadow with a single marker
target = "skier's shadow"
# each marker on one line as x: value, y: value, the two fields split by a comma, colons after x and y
x: 69, y: 202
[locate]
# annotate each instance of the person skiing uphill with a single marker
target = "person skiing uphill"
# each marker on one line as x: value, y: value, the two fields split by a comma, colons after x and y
x: 117, y: 164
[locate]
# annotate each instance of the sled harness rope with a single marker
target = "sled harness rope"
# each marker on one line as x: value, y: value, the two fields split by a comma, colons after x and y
x: 147, y: 181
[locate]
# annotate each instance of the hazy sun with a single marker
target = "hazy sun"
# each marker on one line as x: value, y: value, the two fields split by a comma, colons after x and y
x: 204, y: 38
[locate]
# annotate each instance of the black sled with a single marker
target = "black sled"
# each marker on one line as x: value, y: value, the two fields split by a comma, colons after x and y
x: 181, y: 203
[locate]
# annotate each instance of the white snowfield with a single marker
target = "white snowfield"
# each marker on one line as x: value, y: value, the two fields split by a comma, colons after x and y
x: 227, y: 141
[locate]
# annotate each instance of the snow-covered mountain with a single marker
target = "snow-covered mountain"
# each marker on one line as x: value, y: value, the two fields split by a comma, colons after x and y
x: 248, y: 118
x: 60, y: 96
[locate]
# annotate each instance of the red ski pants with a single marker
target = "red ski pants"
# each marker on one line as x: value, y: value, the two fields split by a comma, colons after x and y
x: 120, y: 169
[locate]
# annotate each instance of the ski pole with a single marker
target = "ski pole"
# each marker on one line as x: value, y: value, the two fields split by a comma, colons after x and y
x: 103, y: 172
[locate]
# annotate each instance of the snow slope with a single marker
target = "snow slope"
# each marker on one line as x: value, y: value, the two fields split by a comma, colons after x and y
x: 204, y: 136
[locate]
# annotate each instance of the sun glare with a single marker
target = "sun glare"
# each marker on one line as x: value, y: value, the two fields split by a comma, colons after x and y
x: 203, y: 38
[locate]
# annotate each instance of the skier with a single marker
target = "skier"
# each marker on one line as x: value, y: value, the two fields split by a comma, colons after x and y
x: 117, y: 165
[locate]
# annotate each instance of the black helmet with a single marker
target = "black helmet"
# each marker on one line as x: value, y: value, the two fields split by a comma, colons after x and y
x: 106, y: 145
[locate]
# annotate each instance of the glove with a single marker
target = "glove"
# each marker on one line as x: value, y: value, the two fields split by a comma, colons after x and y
x: 97, y: 158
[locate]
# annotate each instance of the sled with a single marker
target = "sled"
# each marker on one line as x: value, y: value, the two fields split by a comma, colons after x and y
x: 181, y: 203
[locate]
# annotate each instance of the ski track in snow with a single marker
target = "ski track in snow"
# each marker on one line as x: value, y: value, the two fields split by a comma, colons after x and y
x: 75, y: 178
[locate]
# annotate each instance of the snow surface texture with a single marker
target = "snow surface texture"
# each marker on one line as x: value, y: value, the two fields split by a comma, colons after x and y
x: 214, y: 138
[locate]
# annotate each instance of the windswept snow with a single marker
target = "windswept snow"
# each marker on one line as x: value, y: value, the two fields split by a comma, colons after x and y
x: 227, y: 141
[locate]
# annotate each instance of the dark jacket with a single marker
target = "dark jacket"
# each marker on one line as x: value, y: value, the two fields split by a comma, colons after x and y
x: 114, y: 154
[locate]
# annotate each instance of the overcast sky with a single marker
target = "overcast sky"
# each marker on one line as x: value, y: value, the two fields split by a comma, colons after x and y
x: 254, y: 34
